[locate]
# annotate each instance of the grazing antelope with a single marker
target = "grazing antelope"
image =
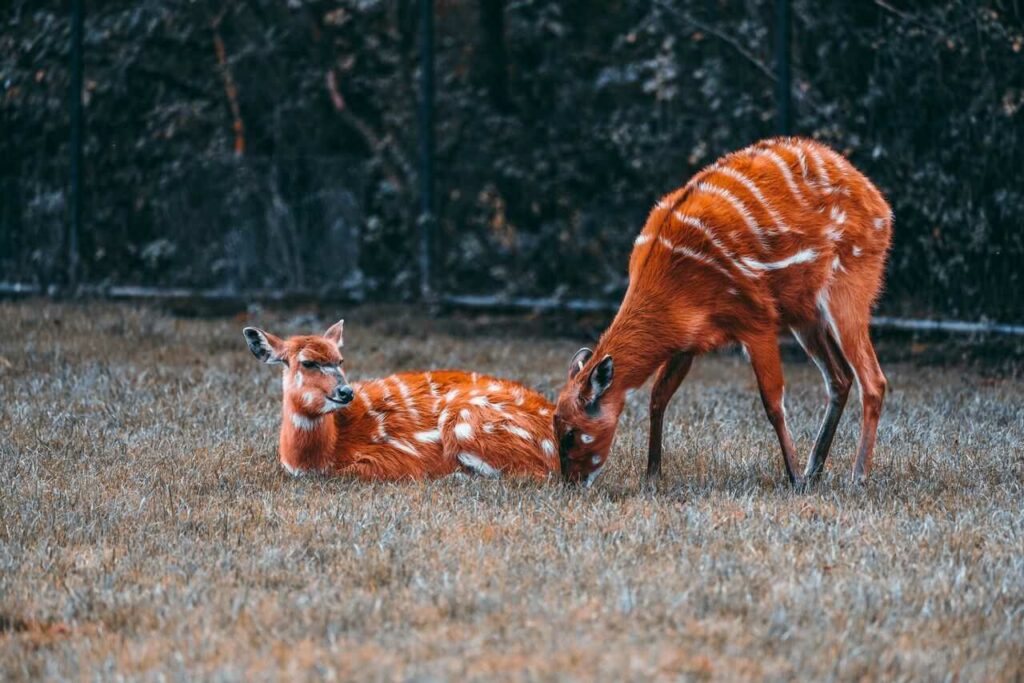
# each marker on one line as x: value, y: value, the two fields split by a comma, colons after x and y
x: 412, y: 425
x: 783, y: 234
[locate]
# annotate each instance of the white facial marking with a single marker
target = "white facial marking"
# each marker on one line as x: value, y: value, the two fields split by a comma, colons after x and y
x: 595, y: 459
x: 463, y: 431
x: 305, y: 423
x: 432, y: 436
x: 309, y: 398
x: 586, y: 438
x: 298, y: 379
x: 476, y: 463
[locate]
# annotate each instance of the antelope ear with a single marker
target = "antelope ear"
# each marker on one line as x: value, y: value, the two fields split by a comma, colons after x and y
x: 265, y: 346
x: 334, y: 333
x: 601, y: 379
x: 579, y: 360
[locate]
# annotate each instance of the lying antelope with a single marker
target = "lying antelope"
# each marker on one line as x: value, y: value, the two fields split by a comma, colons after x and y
x: 411, y: 425
x: 783, y: 234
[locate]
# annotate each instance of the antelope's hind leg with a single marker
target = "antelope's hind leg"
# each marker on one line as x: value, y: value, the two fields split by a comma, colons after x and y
x: 764, y: 357
x: 823, y: 350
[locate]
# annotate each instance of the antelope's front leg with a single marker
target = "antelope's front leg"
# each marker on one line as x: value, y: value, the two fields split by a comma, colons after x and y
x: 670, y: 375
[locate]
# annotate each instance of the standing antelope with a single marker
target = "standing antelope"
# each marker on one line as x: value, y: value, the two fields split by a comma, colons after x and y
x: 783, y: 234
x: 406, y: 426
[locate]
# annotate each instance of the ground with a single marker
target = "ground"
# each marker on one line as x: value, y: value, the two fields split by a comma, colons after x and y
x: 148, y: 530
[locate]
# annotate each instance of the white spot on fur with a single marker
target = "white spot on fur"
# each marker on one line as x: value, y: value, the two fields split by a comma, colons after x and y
x: 857, y: 251
x: 547, y: 446
x: 493, y: 386
x: 404, y: 447
x: 297, y: 380
x: 304, y: 423
x: 802, y: 256
x: 879, y: 223
x: 641, y: 240
x: 518, y: 431
x: 464, y: 413
x: 595, y: 459
x: 544, y: 412
x: 442, y: 418
x: 309, y: 398
x: 464, y: 431
x: 450, y: 396
x: 476, y: 463
x: 586, y: 438
x: 489, y: 427
x: 432, y: 436
x: 836, y: 265
x: 838, y: 215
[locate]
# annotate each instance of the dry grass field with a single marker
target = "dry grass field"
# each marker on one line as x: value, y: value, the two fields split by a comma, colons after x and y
x: 147, y: 530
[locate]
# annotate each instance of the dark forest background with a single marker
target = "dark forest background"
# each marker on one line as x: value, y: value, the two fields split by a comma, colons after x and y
x: 272, y: 143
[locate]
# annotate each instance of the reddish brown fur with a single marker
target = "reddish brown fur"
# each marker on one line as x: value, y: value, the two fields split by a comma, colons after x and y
x: 701, y: 277
x: 412, y: 425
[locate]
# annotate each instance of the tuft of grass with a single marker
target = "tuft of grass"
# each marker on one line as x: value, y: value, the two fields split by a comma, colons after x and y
x: 146, y: 529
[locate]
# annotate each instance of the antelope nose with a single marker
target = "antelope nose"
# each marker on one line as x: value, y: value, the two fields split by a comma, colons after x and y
x: 344, y: 394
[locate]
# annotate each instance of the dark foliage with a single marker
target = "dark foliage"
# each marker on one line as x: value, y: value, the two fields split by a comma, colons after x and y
x: 559, y: 123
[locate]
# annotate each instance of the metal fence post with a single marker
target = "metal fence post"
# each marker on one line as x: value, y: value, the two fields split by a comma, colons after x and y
x: 75, y: 222
x: 426, y: 121
x: 783, y: 93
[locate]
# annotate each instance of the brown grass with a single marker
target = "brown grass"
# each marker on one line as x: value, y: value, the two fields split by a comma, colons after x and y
x: 148, y: 531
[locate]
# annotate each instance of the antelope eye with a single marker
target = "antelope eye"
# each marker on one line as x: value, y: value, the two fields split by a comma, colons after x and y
x: 308, y: 364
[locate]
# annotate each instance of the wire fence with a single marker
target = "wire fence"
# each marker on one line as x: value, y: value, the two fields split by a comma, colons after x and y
x: 231, y: 224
